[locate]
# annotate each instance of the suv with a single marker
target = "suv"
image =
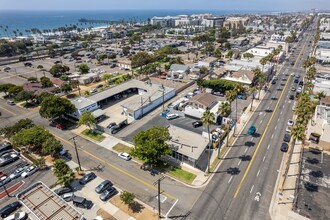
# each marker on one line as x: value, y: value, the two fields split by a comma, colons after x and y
x: 287, y: 137
x: 82, y: 202
x: 103, y: 186
x: 87, y: 178
x: 8, y: 209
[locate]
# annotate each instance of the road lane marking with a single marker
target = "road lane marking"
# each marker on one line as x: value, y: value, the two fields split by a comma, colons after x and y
x: 278, y: 119
x: 8, y: 110
x: 230, y: 179
x: 251, y: 189
x: 258, y: 172
x: 239, y: 162
x: 268, y: 146
x: 264, y: 158
x: 281, y: 112
x: 252, y: 139
x: 275, y: 127
x: 245, y: 150
x: 115, y: 167
x: 271, y: 102
x: 171, y: 208
x: 272, y: 136
x: 260, y: 122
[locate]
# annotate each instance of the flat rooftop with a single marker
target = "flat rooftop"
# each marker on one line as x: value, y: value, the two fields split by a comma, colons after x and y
x: 187, y: 142
x: 82, y: 102
x: 45, y: 204
x: 152, y: 92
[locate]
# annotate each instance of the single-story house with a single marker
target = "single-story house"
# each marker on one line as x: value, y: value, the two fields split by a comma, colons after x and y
x: 89, y: 78
x: 208, y: 62
x: 179, y: 69
x: 37, y: 88
x: 242, y: 76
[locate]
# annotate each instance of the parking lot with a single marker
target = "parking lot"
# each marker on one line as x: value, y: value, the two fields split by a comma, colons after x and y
x: 314, y: 188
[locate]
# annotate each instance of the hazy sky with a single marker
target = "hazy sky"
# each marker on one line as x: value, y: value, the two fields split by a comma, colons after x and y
x: 270, y: 5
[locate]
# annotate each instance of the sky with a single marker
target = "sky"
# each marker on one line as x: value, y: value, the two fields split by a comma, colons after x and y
x: 254, y: 5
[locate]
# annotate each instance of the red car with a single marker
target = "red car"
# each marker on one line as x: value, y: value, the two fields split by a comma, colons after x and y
x: 59, y: 126
x: 2, y: 174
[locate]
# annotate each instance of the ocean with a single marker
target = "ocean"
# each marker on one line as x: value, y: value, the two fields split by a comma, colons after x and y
x: 26, y: 20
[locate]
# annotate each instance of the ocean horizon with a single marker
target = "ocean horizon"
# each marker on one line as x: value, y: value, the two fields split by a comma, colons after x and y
x: 50, y: 19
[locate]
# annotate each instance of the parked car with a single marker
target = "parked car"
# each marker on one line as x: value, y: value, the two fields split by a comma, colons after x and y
x: 18, y: 172
x: 301, y: 83
x: 17, y: 216
x: 7, y: 68
x: 293, y: 88
x: 4, y: 180
x: 29, y: 171
x: 252, y: 129
x: 93, y: 90
x: 171, y: 116
x: 82, y: 202
x: 2, y: 174
x: 274, y: 81
x: 63, y: 190
x: 287, y: 137
x: 299, y: 90
x: 197, y: 124
x: 288, y: 129
x: 284, y: 147
x: 124, y: 156
x: 8, y: 158
x: 8, y: 209
x: 68, y: 196
x: 99, y: 86
x: 59, y: 126
x: 111, y: 125
x: 103, y: 186
x: 242, y: 96
x: 9, y: 102
x: 87, y: 178
x: 107, y: 193
x: 28, y: 64
x: 219, y: 94
x: 291, y: 97
x: 290, y: 122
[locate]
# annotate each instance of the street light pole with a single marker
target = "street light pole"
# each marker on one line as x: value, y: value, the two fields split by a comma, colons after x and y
x: 75, y: 147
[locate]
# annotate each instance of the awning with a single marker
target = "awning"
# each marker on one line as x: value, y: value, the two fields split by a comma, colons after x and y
x: 98, y: 112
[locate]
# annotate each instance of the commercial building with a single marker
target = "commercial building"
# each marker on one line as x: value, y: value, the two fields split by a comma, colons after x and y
x: 235, y: 22
x: 83, y: 104
x: 44, y: 204
x: 208, y: 62
x: 187, y: 146
x: 150, y: 96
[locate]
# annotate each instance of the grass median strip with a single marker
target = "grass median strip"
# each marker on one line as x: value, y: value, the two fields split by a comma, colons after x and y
x: 93, y: 135
x: 122, y: 148
x: 182, y: 175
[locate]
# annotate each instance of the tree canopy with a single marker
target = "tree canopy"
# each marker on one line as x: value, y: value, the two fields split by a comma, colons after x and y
x: 58, y: 70
x: 88, y: 119
x: 150, y: 145
x: 22, y: 124
x: 45, y: 82
x: 83, y: 68
x: 54, y: 106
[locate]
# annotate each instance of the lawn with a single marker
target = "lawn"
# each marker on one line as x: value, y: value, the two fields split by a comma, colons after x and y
x: 182, y: 175
x: 93, y: 135
x: 122, y: 148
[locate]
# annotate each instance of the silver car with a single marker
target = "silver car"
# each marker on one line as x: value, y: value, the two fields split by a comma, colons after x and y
x: 17, y: 173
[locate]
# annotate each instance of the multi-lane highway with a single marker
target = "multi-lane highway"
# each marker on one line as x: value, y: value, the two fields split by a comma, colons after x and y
x: 254, y: 161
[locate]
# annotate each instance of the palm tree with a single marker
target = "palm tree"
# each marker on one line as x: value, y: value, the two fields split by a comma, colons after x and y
x: 252, y: 90
x: 238, y: 88
x: 298, y: 133
x: 311, y: 73
x: 320, y: 95
x: 259, y: 79
x: 230, y: 96
x: 208, y: 119
x: 224, y: 109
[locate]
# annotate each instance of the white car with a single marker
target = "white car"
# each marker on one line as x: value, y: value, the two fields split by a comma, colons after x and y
x: 17, y: 216
x: 292, y: 74
x: 299, y: 90
x: 18, y: 172
x: 290, y: 122
x: 29, y: 171
x: 171, y: 116
x: 288, y: 129
x: 124, y: 156
x: 4, y: 180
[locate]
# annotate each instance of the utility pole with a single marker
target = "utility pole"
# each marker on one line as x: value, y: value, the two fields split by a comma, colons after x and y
x: 155, y: 183
x: 75, y: 147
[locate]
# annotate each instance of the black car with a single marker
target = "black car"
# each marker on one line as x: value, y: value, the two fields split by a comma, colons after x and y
x: 291, y: 97
x: 273, y: 81
x: 111, y: 125
x: 8, y: 209
x: 296, y: 81
x: 106, y: 194
x: 284, y: 147
x: 82, y: 202
x: 287, y: 137
x: 87, y: 178
x: 292, y: 63
x: 197, y: 124
x: 63, y: 190
x: 103, y: 186
x: 301, y: 83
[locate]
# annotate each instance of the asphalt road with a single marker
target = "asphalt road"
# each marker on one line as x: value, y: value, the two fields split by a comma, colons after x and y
x: 244, y: 184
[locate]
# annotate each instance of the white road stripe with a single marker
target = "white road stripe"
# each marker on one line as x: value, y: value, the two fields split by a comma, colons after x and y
x: 239, y: 162
x: 258, y: 173
x: 281, y: 112
x: 245, y: 150
x: 275, y: 127
x: 252, y: 139
x: 264, y: 158
x: 260, y: 122
x: 272, y: 136
x: 251, y: 189
x: 278, y: 119
x: 268, y: 146
x: 230, y: 179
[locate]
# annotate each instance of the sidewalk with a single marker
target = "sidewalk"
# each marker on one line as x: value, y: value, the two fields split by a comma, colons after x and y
x: 283, y: 196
